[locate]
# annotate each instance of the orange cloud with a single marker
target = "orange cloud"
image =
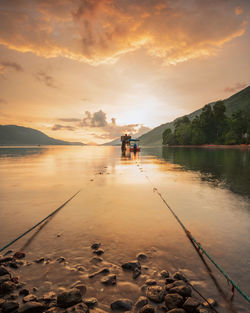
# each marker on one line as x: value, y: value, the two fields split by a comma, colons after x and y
x: 101, y: 31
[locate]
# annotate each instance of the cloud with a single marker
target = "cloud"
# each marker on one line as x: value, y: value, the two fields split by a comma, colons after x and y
x: 62, y: 127
x: 236, y: 87
x: 101, y: 31
x: 5, y: 65
x: 97, y: 119
x: 70, y: 120
x: 46, y: 79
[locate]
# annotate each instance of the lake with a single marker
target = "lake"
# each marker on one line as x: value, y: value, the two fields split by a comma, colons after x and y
x: 209, y: 189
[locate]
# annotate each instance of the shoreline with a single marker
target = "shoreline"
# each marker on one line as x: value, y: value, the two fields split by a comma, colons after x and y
x: 243, y: 146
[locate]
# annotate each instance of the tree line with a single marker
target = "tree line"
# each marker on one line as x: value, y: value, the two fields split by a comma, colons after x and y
x: 212, y: 126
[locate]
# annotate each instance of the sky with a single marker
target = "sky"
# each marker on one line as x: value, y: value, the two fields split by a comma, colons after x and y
x: 92, y: 70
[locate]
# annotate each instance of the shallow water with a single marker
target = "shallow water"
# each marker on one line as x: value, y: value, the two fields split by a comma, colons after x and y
x: 208, y: 189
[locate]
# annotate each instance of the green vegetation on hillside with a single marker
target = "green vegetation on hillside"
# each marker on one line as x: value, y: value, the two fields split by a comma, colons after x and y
x: 212, y: 126
x: 238, y: 101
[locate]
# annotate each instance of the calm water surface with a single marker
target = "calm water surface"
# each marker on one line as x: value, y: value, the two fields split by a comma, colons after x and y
x: 208, y: 189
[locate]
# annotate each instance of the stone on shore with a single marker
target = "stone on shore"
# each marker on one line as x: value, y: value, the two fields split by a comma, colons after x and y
x: 211, y: 301
x: 96, y: 260
x: 24, y: 292
x: 31, y: 307
x: 98, y: 252
x: 101, y: 271
x: 90, y: 302
x: 150, y: 282
x: 69, y: 298
x: 3, y: 271
x: 79, y: 308
x: 191, y: 304
x: 155, y: 293
x: 141, y: 257
x: 131, y: 266
x: 10, y: 306
x: 121, y: 305
x: 7, y: 287
x: 173, y: 300
x: 164, y: 274
x: 19, y: 255
x: 136, y: 273
x: 147, y: 309
x: 179, y: 276
x: 49, y: 296
x: 95, y: 246
x: 109, y: 279
x: 141, y: 301
x: 29, y: 298
x: 183, y: 290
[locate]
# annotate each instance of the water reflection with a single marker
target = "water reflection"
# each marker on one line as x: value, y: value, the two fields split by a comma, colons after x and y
x: 7, y: 152
x: 227, y: 168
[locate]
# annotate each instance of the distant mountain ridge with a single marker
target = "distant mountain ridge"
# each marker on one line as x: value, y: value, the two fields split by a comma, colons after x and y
x: 238, y: 101
x: 25, y: 136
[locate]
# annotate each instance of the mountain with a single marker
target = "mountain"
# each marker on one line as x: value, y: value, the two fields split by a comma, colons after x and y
x: 238, y: 101
x: 18, y: 135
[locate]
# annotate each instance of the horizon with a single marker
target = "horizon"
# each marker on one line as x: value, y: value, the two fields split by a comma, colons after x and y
x: 89, y: 71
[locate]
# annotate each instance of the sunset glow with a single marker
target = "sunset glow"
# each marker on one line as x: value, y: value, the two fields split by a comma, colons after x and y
x: 89, y: 70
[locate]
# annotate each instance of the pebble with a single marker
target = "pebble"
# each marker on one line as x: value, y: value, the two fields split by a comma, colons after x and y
x: 19, y: 255
x: 147, y: 309
x: 90, y: 302
x: 98, y: 252
x: 24, y: 292
x: 140, y: 303
x: 155, y: 293
x: 141, y: 257
x: 179, y: 276
x: 9, y: 306
x: 41, y: 260
x: 164, y: 274
x: 109, y: 279
x: 49, y: 296
x: 31, y: 307
x: 191, y: 304
x: 184, y: 291
x: 29, y: 298
x: 121, y: 305
x: 95, y: 246
x: 173, y: 300
x: 150, y: 282
x: 69, y: 298
x: 101, y: 271
x: 131, y: 266
x: 13, y: 265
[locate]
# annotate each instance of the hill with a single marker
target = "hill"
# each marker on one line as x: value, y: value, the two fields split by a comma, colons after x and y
x: 238, y: 101
x: 18, y: 135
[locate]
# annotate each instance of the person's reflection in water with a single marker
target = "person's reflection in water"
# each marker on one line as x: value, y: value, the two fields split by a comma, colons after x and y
x: 126, y: 155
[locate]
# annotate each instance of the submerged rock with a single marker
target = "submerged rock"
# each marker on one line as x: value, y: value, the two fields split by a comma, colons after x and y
x: 10, y: 306
x: 191, y: 304
x: 69, y: 298
x: 155, y: 293
x: 173, y: 300
x: 109, y: 279
x: 31, y: 307
x: 140, y: 303
x: 147, y: 309
x: 121, y: 305
x: 101, y: 271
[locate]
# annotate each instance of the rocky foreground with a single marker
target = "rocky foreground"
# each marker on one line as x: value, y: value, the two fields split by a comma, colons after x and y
x: 169, y: 293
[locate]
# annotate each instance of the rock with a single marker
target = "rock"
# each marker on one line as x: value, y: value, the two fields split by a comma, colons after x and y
x: 136, y: 273
x: 161, y: 308
x: 144, y: 288
x: 211, y: 301
x: 79, y: 308
x: 101, y: 271
x: 141, y: 257
x: 32, y: 307
x: 109, y: 279
x: 95, y: 246
x: 121, y: 305
x: 13, y: 264
x: 10, y: 306
x: 175, y: 284
x: 41, y: 260
x: 49, y: 296
x: 131, y: 266
x: 6, y: 259
x: 90, y: 302
x: 191, y: 304
x: 155, y: 293
x: 169, y: 280
x: 150, y: 282
x: 69, y: 298
x: 19, y: 255
x: 98, y: 252
x: 2, y: 302
x: 164, y: 274
x: 81, y: 287
x: 7, y: 287
x: 147, y: 309
x: 96, y: 260
x: 140, y: 303
x: 177, y: 310
x: 29, y: 298
x: 3, y: 271
x: 179, y: 276
x: 35, y: 289
x: 24, y: 292
x: 183, y: 290
x: 173, y: 300
x: 61, y: 259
